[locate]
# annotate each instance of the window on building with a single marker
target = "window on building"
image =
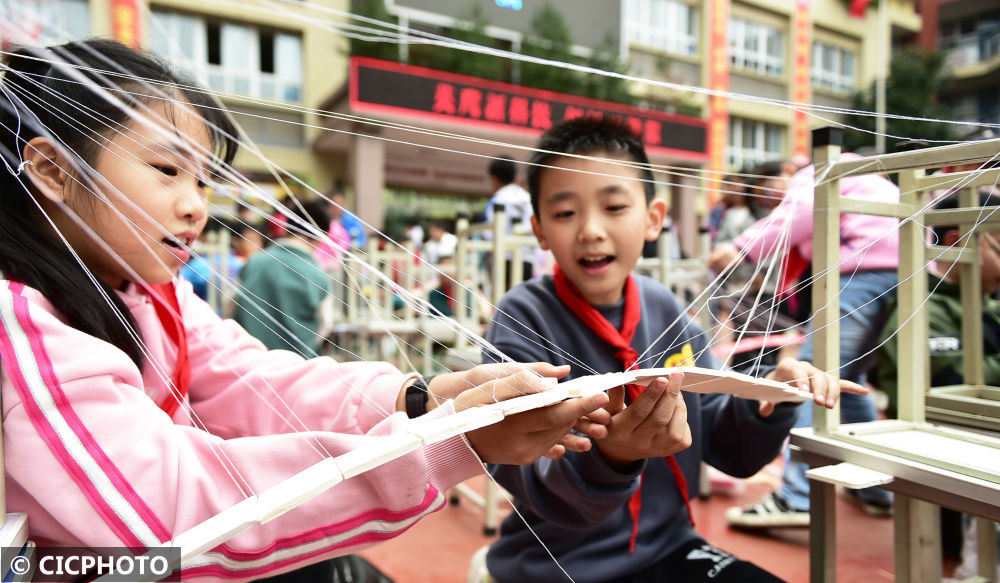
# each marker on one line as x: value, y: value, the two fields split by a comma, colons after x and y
x: 752, y: 142
x: 267, y: 52
x: 988, y: 101
x: 756, y: 47
x: 977, y: 107
x: 185, y: 40
x: 833, y: 68
x: 231, y: 57
x: 213, y: 41
x: 963, y: 108
x: 971, y: 40
x: 668, y: 25
x: 267, y: 127
x: 43, y: 22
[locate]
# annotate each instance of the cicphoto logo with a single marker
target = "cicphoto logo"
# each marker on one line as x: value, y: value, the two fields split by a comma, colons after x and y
x: 64, y: 564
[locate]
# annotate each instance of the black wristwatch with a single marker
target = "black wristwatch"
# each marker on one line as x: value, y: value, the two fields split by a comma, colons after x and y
x: 417, y: 395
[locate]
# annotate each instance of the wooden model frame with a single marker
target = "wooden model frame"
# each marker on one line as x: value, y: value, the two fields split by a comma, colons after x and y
x: 920, y: 472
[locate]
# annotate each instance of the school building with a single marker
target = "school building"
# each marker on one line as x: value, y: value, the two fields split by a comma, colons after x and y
x: 269, y: 67
x: 813, y: 51
x: 403, y: 137
x: 969, y: 33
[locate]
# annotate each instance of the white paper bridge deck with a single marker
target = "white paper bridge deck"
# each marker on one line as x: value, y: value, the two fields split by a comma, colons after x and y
x: 299, y: 488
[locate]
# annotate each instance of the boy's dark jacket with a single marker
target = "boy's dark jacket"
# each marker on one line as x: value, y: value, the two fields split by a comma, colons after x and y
x: 577, y: 506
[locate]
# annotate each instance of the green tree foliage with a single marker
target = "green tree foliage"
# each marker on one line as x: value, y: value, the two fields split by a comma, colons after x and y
x: 549, y: 38
x: 605, y: 58
x: 916, y: 79
x: 372, y: 47
x: 471, y: 28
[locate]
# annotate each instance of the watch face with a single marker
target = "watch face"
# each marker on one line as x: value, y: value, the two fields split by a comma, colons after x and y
x: 416, y: 398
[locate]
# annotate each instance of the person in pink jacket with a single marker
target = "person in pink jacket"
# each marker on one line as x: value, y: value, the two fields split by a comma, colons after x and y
x: 131, y: 412
x: 867, y: 242
x: 869, y: 256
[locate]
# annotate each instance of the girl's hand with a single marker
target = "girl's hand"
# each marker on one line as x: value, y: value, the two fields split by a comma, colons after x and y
x: 523, y: 438
x: 450, y: 385
x: 806, y: 377
x: 654, y: 425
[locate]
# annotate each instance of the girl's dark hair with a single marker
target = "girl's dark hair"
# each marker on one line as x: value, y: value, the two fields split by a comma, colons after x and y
x: 40, y: 97
x: 585, y: 136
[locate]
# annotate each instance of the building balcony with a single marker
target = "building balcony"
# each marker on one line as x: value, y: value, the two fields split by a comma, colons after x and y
x: 973, y: 56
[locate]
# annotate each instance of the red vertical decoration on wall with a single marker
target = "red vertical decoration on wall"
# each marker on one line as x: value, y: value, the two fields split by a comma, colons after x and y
x: 858, y: 8
x: 126, y: 22
x: 718, y: 105
x: 802, y: 84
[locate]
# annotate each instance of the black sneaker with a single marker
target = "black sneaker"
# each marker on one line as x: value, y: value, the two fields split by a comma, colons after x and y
x: 872, y: 506
x: 773, y: 511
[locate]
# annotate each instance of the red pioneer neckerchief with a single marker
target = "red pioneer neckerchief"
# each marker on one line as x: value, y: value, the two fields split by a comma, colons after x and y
x: 622, y: 342
x: 164, y: 297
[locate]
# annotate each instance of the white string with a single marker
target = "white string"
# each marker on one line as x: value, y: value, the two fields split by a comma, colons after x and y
x: 550, y: 166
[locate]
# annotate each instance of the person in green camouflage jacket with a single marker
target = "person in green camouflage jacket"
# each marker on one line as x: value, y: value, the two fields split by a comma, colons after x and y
x: 945, y: 314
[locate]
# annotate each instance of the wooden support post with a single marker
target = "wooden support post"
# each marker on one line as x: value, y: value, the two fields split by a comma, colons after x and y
x: 972, y: 295
x: 913, y: 372
x: 917, y: 526
x: 822, y: 532
x: 826, y: 345
x: 491, y: 503
x: 499, y: 271
x: 826, y: 275
x: 986, y: 542
x: 463, y: 311
x: 499, y: 256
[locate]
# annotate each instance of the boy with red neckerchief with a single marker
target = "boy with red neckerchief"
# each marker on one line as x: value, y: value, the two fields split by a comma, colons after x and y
x: 620, y: 511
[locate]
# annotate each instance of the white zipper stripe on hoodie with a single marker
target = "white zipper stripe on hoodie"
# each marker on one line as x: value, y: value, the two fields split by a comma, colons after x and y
x: 28, y: 366
x: 330, y: 542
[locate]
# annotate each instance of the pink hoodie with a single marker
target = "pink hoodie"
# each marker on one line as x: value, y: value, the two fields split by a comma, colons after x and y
x: 95, y: 462
x: 329, y: 252
x: 867, y: 242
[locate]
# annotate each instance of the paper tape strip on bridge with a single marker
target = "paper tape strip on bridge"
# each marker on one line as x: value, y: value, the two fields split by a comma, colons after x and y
x: 697, y: 380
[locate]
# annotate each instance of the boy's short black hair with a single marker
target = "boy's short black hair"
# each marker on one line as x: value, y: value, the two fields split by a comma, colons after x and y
x: 503, y: 169
x: 951, y: 202
x: 313, y: 211
x: 586, y: 136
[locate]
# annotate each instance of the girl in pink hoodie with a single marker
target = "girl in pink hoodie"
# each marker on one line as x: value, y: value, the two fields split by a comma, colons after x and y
x: 131, y: 412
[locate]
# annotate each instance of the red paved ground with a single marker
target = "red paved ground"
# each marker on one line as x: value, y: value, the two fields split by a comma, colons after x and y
x: 438, y: 548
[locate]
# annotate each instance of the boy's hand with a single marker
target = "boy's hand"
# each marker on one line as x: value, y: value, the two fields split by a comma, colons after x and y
x: 523, y: 438
x: 654, y: 425
x: 806, y: 377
